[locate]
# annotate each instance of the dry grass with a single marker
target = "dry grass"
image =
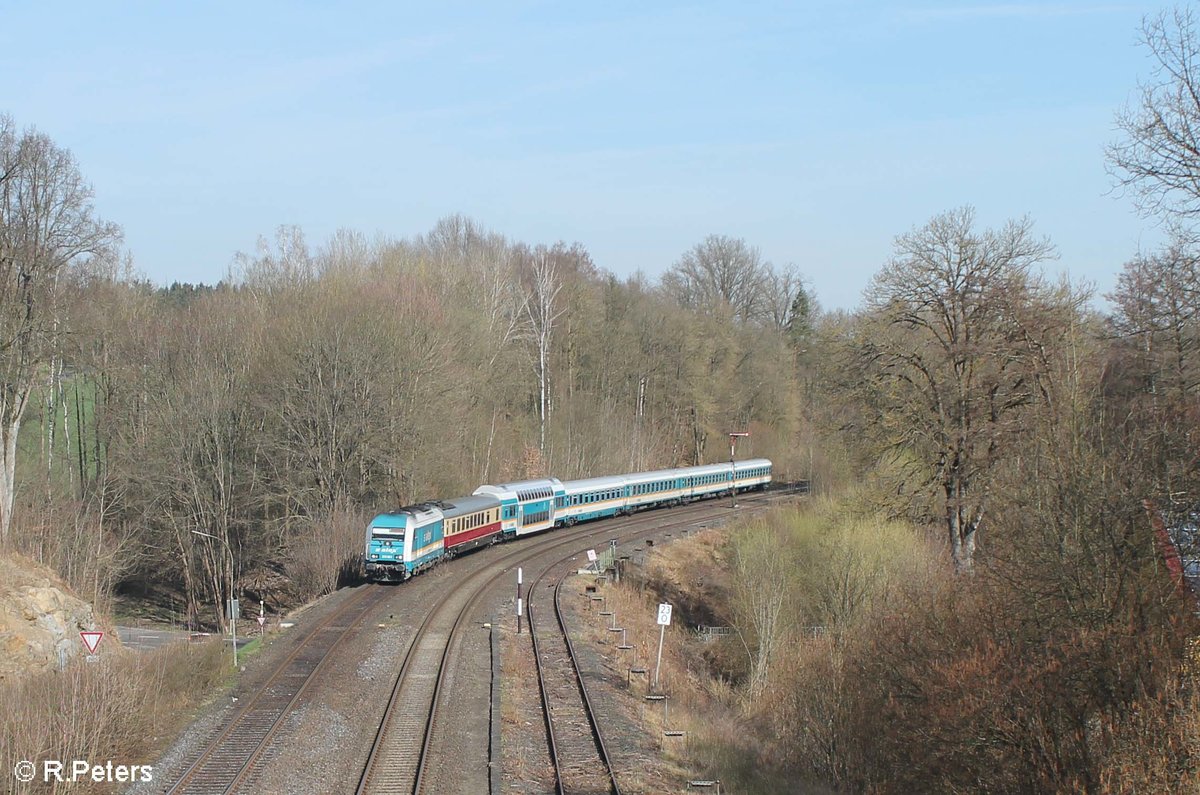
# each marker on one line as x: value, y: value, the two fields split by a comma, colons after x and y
x: 125, y: 708
x: 838, y: 564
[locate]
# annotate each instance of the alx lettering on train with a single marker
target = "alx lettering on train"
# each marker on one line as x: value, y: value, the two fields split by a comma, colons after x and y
x: 409, y: 540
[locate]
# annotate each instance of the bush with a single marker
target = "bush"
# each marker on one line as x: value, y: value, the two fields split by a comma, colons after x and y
x: 326, y: 552
x: 1055, y: 668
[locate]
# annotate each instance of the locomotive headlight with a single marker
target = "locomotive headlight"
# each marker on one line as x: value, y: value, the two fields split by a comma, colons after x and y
x: 374, y: 557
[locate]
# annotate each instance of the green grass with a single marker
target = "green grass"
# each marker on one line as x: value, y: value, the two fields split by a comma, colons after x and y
x: 250, y: 649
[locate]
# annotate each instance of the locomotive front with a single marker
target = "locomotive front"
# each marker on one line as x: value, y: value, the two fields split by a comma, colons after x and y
x: 385, y: 547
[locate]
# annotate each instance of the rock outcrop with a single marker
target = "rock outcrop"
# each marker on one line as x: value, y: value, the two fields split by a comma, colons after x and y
x: 40, y: 619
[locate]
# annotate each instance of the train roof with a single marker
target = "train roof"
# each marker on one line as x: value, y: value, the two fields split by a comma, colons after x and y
x: 656, y: 474
x: 469, y: 504
x: 593, y: 484
x: 421, y: 512
x: 533, y: 483
x: 544, y: 487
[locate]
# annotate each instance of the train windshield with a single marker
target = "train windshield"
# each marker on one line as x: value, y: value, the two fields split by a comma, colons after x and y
x: 388, y: 539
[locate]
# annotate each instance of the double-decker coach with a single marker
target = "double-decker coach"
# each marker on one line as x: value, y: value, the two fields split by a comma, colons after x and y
x: 527, y: 506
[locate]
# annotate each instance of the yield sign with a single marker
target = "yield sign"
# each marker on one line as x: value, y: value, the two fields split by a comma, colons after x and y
x: 91, y: 640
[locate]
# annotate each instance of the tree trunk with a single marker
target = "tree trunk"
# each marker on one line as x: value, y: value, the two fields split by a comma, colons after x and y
x: 8, y: 463
x: 542, y: 395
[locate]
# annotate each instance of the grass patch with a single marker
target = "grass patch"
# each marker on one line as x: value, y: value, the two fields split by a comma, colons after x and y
x: 251, y: 649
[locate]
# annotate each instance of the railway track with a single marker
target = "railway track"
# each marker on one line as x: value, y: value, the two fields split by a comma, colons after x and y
x: 228, y: 760
x: 396, y: 762
x: 402, y: 746
x: 401, y: 751
x: 579, y: 756
x: 577, y: 751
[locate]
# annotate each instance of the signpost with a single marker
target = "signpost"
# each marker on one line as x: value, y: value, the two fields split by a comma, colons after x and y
x: 733, y: 437
x: 519, y: 611
x: 664, y: 621
x: 234, y: 613
x: 592, y: 559
x: 91, y: 640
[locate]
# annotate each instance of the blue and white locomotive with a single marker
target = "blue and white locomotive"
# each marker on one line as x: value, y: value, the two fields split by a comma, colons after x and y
x: 406, y: 541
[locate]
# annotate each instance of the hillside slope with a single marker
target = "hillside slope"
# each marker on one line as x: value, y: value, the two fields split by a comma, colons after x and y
x: 40, y: 619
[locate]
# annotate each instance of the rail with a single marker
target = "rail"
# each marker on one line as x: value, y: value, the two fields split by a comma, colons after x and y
x: 227, y: 761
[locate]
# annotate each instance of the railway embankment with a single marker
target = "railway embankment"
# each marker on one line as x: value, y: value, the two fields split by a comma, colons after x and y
x: 827, y: 647
x: 688, y: 721
x: 687, y: 717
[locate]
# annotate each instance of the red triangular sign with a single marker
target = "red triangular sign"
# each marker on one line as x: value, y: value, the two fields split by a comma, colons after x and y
x: 91, y: 640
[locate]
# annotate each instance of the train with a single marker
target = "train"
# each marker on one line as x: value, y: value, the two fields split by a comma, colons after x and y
x: 411, y: 539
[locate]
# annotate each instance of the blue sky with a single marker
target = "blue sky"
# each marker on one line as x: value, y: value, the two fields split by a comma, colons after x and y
x: 817, y: 131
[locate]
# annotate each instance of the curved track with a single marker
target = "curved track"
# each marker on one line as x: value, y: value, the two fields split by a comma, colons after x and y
x: 402, y: 744
x: 402, y: 747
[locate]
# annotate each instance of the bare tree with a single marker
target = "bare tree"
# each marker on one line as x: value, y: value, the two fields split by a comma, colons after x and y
x: 1159, y: 158
x: 46, y: 226
x: 957, y: 352
x: 720, y: 274
x: 541, y: 311
x: 782, y: 287
x: 1158, y: 306
x: 762, y: 583
x: 289, y: 264
x: 1153, y: 381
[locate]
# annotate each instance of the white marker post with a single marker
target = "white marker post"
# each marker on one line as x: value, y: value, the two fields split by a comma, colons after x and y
x: 234, y: 612
x: 519, y: 577
x: 262, y: 618
x: 664, y: 621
